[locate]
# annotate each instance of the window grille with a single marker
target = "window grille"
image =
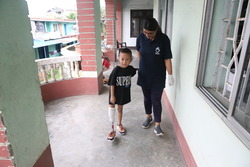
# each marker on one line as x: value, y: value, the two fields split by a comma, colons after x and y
x: 224, y: 66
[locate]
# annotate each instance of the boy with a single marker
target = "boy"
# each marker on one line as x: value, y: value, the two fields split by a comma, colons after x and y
x: 119, y: 93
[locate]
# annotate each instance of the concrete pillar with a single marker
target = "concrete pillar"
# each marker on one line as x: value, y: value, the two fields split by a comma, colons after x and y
x: 110, y: 29
x: 119, y: 21
x: 113, y: 26
x: 23, y: 130
x: 88, y: 12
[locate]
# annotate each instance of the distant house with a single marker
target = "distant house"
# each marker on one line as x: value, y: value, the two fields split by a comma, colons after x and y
x: 51, y: 34
x: 47, y: 49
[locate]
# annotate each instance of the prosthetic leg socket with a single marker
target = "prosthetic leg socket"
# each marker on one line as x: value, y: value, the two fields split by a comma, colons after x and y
x: 111, y: 113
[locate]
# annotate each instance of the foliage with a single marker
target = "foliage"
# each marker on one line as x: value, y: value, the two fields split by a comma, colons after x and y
x: 72, y: 16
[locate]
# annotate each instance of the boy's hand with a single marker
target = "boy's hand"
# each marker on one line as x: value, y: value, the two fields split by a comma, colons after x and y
x: 112, y: 99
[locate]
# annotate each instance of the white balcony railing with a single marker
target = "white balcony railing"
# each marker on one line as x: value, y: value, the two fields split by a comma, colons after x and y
x: 58, y: 68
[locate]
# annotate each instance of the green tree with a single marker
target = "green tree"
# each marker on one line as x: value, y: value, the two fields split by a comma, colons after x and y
x: 72, y: 16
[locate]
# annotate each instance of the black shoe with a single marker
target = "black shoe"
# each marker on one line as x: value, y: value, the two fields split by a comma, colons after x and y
x: 147, y: 122
x: 158, y: 131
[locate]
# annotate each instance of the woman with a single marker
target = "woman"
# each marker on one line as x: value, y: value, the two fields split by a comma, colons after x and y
x: 154, y: 54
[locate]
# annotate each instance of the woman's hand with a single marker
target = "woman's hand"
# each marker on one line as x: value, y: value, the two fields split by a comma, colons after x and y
x: 170, y: 80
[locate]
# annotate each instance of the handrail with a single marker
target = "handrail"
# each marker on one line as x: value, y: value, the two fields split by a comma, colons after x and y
x: 58, y: 68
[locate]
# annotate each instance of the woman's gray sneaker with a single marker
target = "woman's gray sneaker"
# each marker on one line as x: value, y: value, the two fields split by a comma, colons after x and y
x: 147, y: 122
x: 158, y: 131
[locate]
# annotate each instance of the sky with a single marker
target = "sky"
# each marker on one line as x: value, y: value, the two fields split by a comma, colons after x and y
x: 40, y: 7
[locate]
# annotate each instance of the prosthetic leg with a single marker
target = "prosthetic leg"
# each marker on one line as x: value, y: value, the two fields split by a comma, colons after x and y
x: 111, y: 113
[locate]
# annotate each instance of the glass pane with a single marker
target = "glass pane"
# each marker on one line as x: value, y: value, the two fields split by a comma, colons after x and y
x: 224, y: 48
x: 215, y: 58
x: 242, y: 109
x: 40, y: 27
x: 135, y: 27
x: 137, y: 17
x: 162, y: 16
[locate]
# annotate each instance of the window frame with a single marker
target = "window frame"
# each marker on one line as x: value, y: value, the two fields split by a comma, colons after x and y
x: 140, y: 18
x: 55, y: 27
x: 38, y: 25
x: 225, y: 114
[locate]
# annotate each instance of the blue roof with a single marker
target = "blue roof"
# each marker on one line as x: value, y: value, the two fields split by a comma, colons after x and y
x: 38, y: 44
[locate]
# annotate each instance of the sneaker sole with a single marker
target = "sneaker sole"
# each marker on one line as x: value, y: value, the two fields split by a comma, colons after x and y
x: 146, y: 127
x: 122, y: 133
x: 161, y: 134
x: 111, y: 139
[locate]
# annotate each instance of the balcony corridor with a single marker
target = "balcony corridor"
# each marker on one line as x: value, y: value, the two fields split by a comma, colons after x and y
x: 78, y: 127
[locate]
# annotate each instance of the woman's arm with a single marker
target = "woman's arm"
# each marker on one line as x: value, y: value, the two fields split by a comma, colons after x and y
x: 138, y: 55
x: 168, y: 64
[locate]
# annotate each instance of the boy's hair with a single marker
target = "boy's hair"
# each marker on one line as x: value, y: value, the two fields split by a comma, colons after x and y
x: 126, y: 50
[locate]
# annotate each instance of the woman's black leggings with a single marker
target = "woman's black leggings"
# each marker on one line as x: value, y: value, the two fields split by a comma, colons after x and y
x: 152, y: 99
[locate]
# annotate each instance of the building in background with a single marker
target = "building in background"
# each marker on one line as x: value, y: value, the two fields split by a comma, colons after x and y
x: 209, y: 104
x: 52, y: 32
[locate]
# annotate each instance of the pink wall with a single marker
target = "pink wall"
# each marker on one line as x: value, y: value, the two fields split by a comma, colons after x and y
x: 73, y: 87
x: 187, y: 155
x: 118, y: 21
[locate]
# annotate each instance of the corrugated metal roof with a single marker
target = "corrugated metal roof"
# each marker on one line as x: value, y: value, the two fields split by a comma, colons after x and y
x: 38, y: 44
x: 53, y: 20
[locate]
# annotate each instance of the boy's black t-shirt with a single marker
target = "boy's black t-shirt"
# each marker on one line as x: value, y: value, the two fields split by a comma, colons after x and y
x: 121, y: 79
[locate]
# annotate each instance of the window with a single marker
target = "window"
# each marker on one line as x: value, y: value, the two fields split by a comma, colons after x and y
x: 166, y: 16
x: 163, y: 15
x: 40, y: 27
x: 224, y: 65
x: 55, y: 28
x: 137, y: 17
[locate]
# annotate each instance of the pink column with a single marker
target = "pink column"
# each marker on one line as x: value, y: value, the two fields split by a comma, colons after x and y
x: 113, y: 26
x: 110, y: 29
x: 119, y: 21
x: 87, y: 40
x: 5, y: 152
x: 86, y: 24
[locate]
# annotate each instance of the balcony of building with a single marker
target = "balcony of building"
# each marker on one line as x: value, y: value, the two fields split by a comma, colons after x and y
x: 81, y: 122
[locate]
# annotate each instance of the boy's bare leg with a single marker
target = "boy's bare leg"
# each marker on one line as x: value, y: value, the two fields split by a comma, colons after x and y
x: 120, y: 110
x: 120, y: 127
